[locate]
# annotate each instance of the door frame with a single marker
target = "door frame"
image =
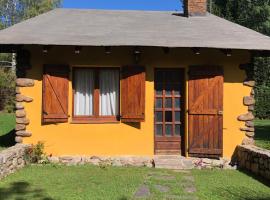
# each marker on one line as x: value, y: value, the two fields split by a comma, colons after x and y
x: 183, y: 140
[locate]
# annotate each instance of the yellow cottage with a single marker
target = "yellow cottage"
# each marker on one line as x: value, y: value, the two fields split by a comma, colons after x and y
x: 140, y: 83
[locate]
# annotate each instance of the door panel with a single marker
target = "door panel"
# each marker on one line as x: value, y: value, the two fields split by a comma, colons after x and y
x: 205, y: 111
x: 169, y: 111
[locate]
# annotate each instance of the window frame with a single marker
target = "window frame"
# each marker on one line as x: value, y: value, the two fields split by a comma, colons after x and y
x: 95, y: 118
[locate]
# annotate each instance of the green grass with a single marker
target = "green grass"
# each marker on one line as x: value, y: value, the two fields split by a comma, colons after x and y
x: 229, y: 185
x: 262, y: 135
x: 7, y: 124
x: 55, y: 182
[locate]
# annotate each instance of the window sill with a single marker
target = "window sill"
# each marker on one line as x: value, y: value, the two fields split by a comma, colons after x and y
x: 110, y: 120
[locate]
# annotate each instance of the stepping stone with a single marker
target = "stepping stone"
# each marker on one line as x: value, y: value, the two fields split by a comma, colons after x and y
x: 190, y: 189
x: 142, y: 192
x: 182, y: 171
x: 162, y: 188
x: 164, y: 177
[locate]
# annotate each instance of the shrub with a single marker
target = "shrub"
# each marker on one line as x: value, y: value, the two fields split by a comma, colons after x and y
x: 36, y: 153
x: 262, y: 106
x: 7, y: 90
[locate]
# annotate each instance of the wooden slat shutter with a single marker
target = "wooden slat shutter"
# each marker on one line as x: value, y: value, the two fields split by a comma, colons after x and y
x: 133, y: 94
x: 55, y: 94
x: 205, y: 100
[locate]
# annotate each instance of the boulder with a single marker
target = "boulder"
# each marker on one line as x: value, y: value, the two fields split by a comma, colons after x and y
x: 248, y: 101
x: 22, y: 120
x: 249, y: 124
x: 20, y: 127
x: 250, y: 134
x: 25, y: 82
x: 246, y: 117
x: 24, y: 133
x: 18, y: 139
x: 249, y: 83
x: 22, y: 98
x: 248, y: 129
x: 251, y: 108
x: 20, y: 113
x: 19, y: 106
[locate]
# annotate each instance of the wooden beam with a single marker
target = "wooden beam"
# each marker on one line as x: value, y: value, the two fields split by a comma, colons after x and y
x: 196, y: 50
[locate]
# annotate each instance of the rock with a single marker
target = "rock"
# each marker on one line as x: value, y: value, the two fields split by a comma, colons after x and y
x: 248, y: 141
x: 20, y: 127
x: 248, y: 129
x: 19, y: 106
x: 23, y: 120
x: 18, y: 90
x: 20, y: 113
x: 53, y: 159
x: 249, y: 124
x: 22, y: 98
x: 249, y: 83
x: 251, y: 108
x: 246, y: 117
x: 18, y: 139
x: 142, y: 192
x: 252, y: 92
x: 25, y: 82
x: 162, y: 188
x: 250, y: 134
x: 24, y: 133
x: 248, y: 101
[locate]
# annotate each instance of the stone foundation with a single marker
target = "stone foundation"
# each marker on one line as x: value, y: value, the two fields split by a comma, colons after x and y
x: 12, y: 159
x: 166, y: 162
x: 254, y: 159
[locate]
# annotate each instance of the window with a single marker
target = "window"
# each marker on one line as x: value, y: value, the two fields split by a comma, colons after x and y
x: 96, y: 94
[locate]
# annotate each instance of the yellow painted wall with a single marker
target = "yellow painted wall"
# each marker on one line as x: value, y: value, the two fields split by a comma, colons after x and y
x: 120, y: 138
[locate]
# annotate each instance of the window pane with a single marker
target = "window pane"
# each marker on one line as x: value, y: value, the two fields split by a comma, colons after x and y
x: 168, y: 103
x: 158, y: 89
x: 177, y: 116
x: 158, y: 116
x: 177, y: 102
x: 168, y: 90
x: 177, y: 129
x: 158, y: 103
x: 168, y: 116
x: 158, y: 130
x: 176, y: 90
x: 168, y: 130
x: 84, y: 87
x: 109, y: 92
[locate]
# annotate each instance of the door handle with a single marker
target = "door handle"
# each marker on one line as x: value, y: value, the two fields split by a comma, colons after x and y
x: 45, y: 113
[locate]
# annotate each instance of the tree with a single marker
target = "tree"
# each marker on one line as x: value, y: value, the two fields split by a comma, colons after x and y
x: 254, y: 14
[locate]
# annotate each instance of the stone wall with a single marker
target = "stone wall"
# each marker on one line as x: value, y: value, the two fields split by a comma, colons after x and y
x: 254, y: 159
x: 12, y: 159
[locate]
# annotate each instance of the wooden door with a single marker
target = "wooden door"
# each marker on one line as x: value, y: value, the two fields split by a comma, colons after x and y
x: 169, y: 111
x: 205, y: 101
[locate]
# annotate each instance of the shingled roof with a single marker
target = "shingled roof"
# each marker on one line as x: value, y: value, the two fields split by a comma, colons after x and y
x: 132, y: 28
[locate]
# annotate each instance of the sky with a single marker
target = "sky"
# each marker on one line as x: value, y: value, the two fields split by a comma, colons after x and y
x: 171, y: 5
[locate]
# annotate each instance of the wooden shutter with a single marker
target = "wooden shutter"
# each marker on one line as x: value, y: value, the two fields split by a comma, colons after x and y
x: 55, y: 94
x: 133, y: 94
x: 205, y: 100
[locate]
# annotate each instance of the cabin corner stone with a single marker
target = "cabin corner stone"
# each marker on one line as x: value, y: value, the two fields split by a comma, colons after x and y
x: 21, y: 120
x: 248, y: 101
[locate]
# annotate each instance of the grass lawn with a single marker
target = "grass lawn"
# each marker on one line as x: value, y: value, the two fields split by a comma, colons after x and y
x: 7, y: 125
x: 52, y: 182
x: 262, y: 135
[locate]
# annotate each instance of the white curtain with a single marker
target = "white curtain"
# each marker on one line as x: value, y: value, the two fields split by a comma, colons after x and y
x: 109, y: 92
x: 84, y: 87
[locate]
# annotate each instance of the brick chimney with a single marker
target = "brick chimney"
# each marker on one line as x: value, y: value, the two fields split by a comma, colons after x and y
x: 195, y: 7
